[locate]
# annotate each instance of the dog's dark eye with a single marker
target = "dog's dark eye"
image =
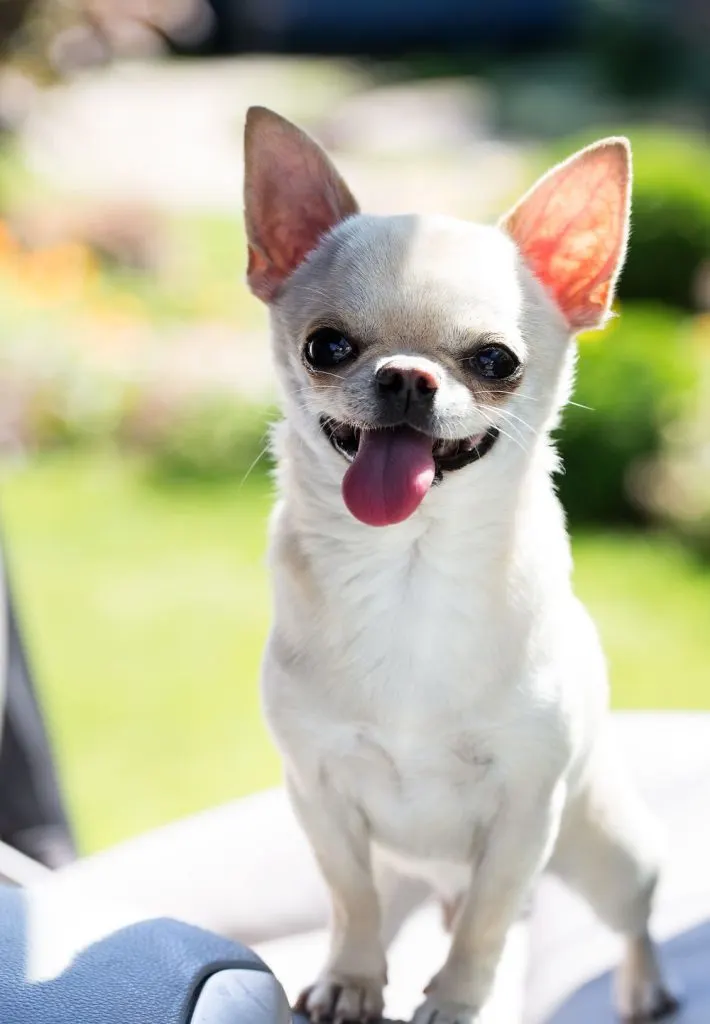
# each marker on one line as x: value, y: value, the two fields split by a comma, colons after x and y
x: 494, y: 362
x: 327, y: 347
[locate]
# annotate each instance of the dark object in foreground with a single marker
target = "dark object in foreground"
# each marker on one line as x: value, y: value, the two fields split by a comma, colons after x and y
x: 32, y: 814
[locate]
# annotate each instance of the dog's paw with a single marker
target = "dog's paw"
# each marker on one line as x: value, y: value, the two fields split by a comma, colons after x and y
x: 440, y: 1011
x: 645, y: 1006
x: 340, y: 1000
x: 640, y: 995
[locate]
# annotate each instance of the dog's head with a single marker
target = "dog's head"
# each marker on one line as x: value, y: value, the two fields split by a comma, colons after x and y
x: 415, y: 346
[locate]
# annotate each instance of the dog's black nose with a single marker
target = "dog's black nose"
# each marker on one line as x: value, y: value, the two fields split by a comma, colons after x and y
x: 406, y: 384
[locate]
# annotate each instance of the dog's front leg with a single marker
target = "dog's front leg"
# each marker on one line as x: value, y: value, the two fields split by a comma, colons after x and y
x: 351, y: 985
x: 516, y: 849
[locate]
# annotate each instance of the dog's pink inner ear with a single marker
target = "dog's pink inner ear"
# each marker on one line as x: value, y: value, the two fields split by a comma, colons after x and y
x: 293, y: 196
x: 572, y: 229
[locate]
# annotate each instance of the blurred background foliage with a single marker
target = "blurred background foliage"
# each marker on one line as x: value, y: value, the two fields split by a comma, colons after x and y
x: 135, y: 387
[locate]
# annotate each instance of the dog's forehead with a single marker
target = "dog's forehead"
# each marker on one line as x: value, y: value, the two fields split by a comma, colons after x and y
x: 400, y: 270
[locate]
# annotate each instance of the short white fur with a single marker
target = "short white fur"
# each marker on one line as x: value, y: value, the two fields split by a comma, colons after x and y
x: 436, y: 689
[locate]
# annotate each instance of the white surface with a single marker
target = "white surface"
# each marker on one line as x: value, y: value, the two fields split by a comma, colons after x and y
x: 245, y: 870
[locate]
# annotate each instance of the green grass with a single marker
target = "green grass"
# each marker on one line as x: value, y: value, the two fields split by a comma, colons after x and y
x: 146, y: 608
x: 651, y: 600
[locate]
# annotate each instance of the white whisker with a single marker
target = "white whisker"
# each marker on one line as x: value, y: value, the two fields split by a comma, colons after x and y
x: 518, y: 419
x: 508, y: 394
x: 256, y: 461
x: 516, y: 439
x: 329, y: 373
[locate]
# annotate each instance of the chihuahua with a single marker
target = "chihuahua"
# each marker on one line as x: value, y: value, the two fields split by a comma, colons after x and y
x: 436, y: 689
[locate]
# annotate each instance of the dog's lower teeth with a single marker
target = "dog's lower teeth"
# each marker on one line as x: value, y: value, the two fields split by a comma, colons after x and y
x: 449, y: 454
x: 445, y: 449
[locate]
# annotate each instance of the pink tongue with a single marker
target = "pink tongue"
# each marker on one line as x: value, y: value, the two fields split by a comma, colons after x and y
x: 392, y: 471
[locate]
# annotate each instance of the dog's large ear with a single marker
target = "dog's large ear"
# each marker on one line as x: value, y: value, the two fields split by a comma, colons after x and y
x: 572, y: 228
x: 292, y: 197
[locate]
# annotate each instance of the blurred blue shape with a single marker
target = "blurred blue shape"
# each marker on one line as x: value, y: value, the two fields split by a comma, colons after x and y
x: 391, y: 26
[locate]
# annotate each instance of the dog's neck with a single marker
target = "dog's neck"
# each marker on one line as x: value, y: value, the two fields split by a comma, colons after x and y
x: 491, y: 504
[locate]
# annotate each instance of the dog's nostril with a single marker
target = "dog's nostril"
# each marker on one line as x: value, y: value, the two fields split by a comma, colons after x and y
x: 394, y: 380
x: 426, y: 382
x: 389, y: 379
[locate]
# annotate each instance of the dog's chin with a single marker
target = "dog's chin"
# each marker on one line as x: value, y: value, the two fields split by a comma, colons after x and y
x: 449, y: 455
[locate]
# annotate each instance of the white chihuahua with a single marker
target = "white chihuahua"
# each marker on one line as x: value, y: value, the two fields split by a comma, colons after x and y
x: 436, y: 689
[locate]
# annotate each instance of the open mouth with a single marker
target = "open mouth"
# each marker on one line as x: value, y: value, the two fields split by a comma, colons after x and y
x: 448, y: 455
x: 392, y: 468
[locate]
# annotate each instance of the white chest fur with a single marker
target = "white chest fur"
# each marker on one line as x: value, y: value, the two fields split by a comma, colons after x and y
x: 398, y: 676
x: 425, y: 795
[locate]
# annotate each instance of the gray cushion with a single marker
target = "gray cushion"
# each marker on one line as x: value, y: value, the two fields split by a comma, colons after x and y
x: 687, y: 960
x: 151, y: 972
x: 241, y: 997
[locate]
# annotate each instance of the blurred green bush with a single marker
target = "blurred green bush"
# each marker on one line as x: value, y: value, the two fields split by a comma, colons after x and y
x: 56, y: 395
x: 675, y: 486
x: 640, y: 377
x: 670, y: 238
x: 670, y: 224
x: 213, y: 437
x: 633, y: 380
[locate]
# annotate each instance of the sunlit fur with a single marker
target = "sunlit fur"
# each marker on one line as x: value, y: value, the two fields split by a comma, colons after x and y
x: 437, y: 691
